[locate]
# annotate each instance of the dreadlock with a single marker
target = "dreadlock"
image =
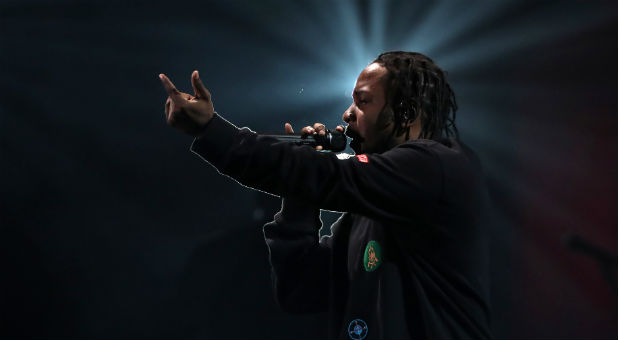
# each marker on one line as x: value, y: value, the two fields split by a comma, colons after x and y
x: 416, y: 85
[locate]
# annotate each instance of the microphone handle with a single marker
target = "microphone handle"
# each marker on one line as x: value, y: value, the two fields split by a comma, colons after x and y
x: 333, y: 141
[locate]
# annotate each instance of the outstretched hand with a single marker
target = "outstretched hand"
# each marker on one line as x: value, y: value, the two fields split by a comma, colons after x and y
x: 185, y: 112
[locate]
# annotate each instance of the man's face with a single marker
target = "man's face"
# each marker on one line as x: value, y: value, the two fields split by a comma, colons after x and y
x: 369, y: 121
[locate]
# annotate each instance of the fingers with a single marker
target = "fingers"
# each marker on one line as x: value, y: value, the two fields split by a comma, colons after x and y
x: 320, y: 128
x: 198, y: 87
x: 308, y: 130
x: 169, y: 87
x: 317, y: 128
x: 168, y: 107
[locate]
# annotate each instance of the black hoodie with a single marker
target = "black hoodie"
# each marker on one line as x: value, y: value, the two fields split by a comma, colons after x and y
x: 407, y: 258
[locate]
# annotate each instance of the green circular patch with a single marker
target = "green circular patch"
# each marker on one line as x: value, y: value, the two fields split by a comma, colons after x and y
x: 373, y: 256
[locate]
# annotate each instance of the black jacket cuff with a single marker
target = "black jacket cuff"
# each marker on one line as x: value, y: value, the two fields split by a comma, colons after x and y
x: 215, y: 139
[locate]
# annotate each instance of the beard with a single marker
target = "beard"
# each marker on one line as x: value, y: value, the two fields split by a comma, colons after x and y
x: 356, y: 141
x: 382, y: 131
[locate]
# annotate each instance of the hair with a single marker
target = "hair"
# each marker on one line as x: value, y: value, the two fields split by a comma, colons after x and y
x: 415, y: 86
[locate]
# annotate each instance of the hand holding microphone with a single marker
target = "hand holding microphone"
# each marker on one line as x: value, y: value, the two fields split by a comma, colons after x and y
x: 317, y: 135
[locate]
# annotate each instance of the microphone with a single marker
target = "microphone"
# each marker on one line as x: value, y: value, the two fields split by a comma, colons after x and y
x: 333, y: 140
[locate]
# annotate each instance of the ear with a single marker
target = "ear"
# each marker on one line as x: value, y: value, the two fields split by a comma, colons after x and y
x: 412, y: 129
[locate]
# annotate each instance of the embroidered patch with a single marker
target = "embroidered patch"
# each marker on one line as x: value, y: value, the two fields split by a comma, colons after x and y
x: 363, y: 158
x: 373, y: 256
x: 357, y: 329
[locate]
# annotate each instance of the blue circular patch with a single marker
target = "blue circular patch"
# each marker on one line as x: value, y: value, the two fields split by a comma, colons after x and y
x: 358, y: 329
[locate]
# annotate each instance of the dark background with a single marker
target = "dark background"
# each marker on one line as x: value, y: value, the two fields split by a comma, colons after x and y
x: 112, y: 228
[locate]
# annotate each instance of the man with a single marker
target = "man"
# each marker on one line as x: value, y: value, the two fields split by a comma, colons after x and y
x: 406, y: 259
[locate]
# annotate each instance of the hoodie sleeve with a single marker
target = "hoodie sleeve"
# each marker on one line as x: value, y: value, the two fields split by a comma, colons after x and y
x: 300, y: 263
x: 401, y: 185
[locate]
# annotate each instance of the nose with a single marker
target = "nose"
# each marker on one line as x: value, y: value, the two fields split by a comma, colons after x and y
x: 349, y: 115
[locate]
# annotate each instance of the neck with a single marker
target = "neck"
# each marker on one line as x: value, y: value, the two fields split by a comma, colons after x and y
x: 413, y: 132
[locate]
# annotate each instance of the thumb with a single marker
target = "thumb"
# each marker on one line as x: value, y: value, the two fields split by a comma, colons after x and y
x: 288, y: 128
x: 198, y: 87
